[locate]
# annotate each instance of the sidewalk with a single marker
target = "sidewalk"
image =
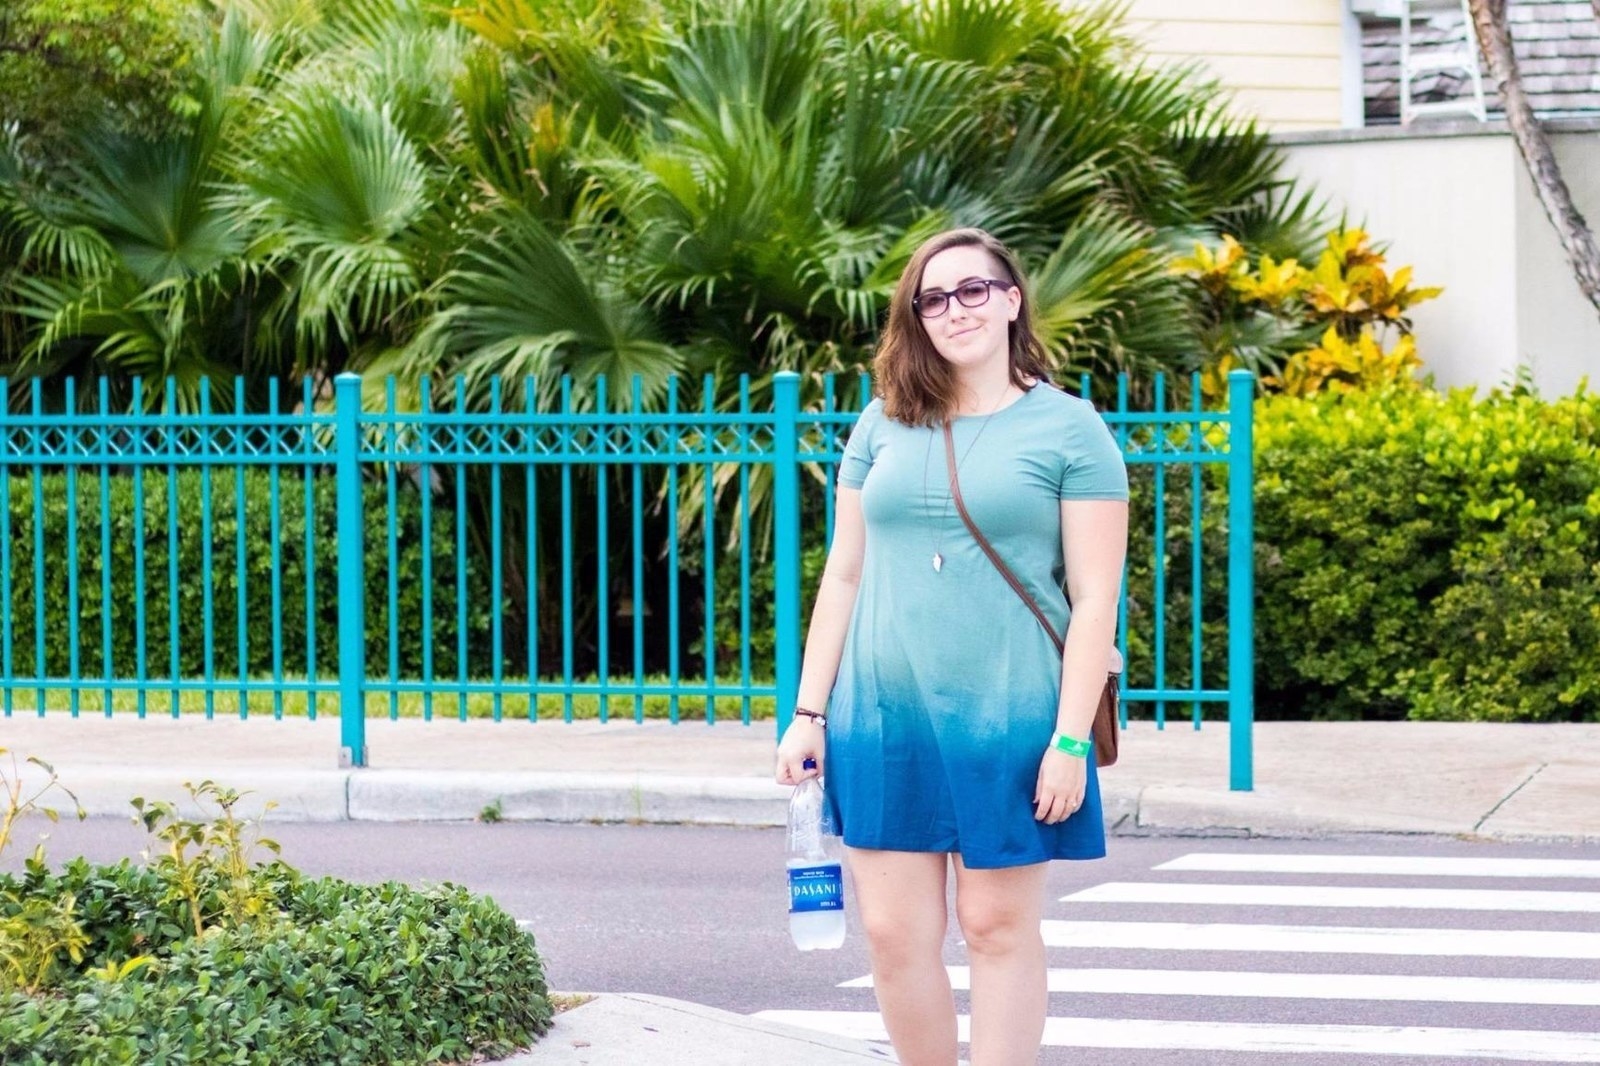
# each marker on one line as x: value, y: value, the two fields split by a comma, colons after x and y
x: 628, y: 1030
x: 1491, y: 781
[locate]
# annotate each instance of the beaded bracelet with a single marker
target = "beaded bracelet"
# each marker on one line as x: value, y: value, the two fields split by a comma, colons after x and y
x: 1078, y: 749
x: 817, y: 716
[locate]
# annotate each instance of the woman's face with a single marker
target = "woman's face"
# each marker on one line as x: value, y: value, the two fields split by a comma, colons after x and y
x: 969, y: 337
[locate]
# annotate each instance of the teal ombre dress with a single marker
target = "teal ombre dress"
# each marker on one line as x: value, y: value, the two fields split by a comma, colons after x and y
x: 946, y: 695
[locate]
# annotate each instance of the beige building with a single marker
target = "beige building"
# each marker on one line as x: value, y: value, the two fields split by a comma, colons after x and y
x: 1304, y: 65
x: 1294, y: 64
x: 1453, y: 200
x: 1447, y: 195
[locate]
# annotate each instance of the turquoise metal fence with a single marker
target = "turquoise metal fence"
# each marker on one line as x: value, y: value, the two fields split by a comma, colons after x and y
x: 461, y: 536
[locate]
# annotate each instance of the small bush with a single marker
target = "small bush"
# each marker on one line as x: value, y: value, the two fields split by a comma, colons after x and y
x: 204, y: 957
x: 349, y: 974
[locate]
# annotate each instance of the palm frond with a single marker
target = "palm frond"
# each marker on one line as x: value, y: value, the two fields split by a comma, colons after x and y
x: 599, y: 59
x: 837, y: 267
x: 125, y: 330
x: 749, y: 55
x: 492, y: 113
x: 373, y: 22
x: 46, y: 229
x: 1225, y: 159
x: 238, y: 58
x: 892, y: 106
x: 342, y: 191
x: 1104, y: 301
x: 1283, y: 219
x: 412, y: 71
x: 1085, y: 33
x: 988, y: 34
x: 519, y: 305
x: 152, y: 201
x: 281, y: 18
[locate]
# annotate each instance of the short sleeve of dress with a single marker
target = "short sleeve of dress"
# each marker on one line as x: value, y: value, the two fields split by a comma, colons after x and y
x: 1093, y: 467
x: 861, y: 448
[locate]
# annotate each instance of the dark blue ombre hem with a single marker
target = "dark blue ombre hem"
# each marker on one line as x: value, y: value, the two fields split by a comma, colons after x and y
x: 988, y: 833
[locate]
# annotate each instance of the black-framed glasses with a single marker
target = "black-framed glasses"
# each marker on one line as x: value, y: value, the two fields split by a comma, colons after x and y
x: 971, y: 293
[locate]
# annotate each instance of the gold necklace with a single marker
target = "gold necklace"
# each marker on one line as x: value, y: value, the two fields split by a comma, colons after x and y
x: 944, y: 516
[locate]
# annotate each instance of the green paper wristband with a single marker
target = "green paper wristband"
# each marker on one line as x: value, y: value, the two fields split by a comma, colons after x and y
x: 1078, y: 749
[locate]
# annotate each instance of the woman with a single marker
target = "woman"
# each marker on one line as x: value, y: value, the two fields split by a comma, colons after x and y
x: 949, y: 727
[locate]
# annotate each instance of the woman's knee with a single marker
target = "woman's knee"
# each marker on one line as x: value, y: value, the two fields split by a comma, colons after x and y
x: 903, y: 937
x: 999, y: 910
x: 995, y: 931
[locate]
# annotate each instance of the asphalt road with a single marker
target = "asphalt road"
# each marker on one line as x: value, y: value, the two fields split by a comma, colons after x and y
x: 698, y: 913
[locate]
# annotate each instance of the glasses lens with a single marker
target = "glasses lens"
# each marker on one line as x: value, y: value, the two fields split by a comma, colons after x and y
x: 973, y: 293
x: 932, y: 304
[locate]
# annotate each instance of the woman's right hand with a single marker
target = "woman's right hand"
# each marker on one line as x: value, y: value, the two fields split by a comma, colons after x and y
x: 804, y: 740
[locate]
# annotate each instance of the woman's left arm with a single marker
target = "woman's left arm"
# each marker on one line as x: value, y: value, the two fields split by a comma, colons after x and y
x: 1094, y: 541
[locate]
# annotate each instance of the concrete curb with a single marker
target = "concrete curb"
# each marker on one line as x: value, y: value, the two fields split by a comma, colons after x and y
x: 410, y: 795
x: 1267, y: 813
x: 398, y: 795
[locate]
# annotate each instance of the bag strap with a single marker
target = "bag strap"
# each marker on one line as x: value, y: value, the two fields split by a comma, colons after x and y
x: 988, y: 549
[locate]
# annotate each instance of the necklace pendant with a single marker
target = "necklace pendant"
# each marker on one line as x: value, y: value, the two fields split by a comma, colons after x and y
x: 938, y: 562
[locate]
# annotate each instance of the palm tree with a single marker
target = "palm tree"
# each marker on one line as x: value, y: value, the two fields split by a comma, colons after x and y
x: 128, y: 263
x: 756, y: 173
x: 732, y: 187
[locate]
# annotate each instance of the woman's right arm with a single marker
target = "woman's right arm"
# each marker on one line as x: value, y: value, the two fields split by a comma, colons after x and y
x: 830, y: 622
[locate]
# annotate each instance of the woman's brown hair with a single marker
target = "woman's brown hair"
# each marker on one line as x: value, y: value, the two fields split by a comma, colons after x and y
x: 917, y: 385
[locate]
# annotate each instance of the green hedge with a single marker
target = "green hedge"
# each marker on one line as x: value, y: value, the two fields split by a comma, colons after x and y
x: 1418, y: 555
x: 224, y: 579
x: 345, y: 974
x: 1430, y: 556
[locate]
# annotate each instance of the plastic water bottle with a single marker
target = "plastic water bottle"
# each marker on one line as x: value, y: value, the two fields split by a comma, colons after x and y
x: 816, y: 882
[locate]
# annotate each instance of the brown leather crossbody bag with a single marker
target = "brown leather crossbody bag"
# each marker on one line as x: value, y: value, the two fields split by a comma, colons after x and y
x: 1106, y: 727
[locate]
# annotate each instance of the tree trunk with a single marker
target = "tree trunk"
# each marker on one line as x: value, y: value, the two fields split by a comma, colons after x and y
x: 1577, y: 240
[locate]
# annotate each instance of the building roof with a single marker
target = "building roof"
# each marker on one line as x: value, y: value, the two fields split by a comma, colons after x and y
x: 1558, y: 54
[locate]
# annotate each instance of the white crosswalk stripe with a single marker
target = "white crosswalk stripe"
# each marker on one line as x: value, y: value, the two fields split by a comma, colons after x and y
x: 1452, y: 1044
x: 1574, y: 993
x: 1464, y: 899
x: 1320, y: 939
x: 1506, y: 973
x: 1384, y: 865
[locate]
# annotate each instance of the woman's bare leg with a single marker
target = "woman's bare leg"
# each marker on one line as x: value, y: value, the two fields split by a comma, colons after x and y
x: 999, y: 912
x: 901, y: 895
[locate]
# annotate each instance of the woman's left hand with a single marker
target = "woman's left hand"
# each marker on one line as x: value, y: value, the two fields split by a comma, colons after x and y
x: 1060, y: 788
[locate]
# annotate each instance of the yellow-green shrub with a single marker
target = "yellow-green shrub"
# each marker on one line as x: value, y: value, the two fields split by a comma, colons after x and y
x: 1306, y: 329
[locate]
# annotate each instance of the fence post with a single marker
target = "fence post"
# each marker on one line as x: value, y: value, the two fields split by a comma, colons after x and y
x: 352, y: 572
x: 786, y: 541
x: 1241, y: 580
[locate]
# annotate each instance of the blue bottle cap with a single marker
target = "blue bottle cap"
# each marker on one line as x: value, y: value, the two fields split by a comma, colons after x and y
x: 809, y: 764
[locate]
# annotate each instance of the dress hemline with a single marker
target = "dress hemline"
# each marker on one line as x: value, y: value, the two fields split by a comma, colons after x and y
x: 1072, y: 855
